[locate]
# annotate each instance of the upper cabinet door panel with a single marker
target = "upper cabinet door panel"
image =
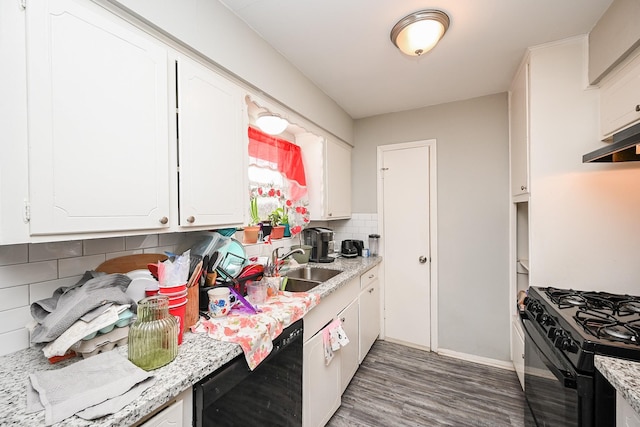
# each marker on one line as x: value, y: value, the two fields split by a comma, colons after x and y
x: 519, y: 132
x: 620, y: 99
x: 98, y: 129
x: 338, y: 173
x: 211, y: 149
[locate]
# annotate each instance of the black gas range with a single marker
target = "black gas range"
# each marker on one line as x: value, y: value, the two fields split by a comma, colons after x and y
x: 564, y: 330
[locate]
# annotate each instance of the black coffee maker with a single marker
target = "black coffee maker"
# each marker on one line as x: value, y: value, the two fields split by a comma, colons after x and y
x: 318, y: 238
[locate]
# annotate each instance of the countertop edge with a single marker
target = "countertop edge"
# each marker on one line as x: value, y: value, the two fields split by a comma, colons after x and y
x: 624, y: 376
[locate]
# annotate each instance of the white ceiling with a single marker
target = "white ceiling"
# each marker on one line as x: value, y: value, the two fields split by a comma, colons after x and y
x: 343, y: 46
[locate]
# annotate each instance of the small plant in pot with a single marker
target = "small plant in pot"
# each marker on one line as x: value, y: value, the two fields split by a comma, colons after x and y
x: 253, y: 229
x: 277, y: 222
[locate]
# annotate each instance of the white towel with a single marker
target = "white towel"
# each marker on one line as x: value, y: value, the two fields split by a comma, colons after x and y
x: 66, y: 391
x: 333, y: 338
x: 81, y: 329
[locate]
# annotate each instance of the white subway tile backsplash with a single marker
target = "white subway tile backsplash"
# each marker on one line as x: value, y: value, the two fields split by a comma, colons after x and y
x: 42, y: 290
x: 16, y: 318
x: 14, y: 297
x: 14, y: 254
x: 160, y: 250
x: 141, y: 242
x: 170, y: 239
x: 31, y: 272
x: 14, y: 341
x: 102, y: 246
x: 23, y: 274
x: 75, y: 266
x: 54, y: 250
x: 123, y: 253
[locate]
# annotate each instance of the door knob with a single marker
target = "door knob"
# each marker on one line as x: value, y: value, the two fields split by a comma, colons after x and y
x: 422, y: 259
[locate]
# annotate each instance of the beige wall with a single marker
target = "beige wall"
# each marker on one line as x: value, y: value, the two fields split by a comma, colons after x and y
x: 473, y: 212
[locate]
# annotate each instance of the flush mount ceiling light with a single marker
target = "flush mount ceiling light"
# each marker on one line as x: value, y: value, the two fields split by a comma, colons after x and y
x: 419, y: 32
x: 271, y: 124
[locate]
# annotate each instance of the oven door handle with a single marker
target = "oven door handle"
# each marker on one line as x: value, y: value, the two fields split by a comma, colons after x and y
x: 567, y: 378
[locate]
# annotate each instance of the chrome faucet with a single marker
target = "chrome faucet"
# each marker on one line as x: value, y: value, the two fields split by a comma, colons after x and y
x: 272, y: 265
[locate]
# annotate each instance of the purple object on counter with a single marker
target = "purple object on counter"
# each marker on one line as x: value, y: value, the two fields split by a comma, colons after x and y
x: 244, y: 301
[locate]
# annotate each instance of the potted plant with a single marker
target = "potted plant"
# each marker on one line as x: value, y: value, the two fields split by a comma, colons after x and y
x: 276, y: 218
x: 253, y: 229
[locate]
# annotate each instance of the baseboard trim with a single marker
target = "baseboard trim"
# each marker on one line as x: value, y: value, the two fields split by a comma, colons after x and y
x: 477, y: 359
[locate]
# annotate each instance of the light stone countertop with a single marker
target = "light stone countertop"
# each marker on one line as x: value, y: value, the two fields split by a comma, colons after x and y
x: 624, y: 376
x: 198, y: 356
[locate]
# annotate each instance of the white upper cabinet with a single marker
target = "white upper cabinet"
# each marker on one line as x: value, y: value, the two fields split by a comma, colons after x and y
x: 327, y: 166
x: 98, y: 125
x: 338, y: 173
x: 211, y: 149
x: 519, y: 131
x: 620, y: 98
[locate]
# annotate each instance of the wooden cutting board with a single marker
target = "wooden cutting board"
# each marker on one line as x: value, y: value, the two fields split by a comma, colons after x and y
x: 127, y: 263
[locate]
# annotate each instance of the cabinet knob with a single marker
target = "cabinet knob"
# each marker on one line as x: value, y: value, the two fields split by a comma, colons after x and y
x: 638, y: 107
x: 164, y: 220
x: 330, y: 214
x: 191, y: 219
x: 371, y: 290
x: 422, y: 259
x: 523, y: 187
x: 342, y: 319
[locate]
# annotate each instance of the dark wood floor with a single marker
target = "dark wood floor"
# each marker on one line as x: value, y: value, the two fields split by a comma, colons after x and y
x: 402, y: 386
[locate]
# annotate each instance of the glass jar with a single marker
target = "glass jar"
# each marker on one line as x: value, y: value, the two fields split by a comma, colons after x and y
x: 373, y: 244
x: 153, y: 337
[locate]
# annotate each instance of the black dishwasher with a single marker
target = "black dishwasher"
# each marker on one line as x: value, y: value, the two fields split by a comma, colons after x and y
x: 270, y: 395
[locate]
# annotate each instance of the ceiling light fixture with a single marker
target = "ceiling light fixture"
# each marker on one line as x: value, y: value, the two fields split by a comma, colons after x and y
x: 271, y: 124
x: 419, y: 32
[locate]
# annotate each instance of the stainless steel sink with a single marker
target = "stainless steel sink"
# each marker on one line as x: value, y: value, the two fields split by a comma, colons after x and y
x: 300, y: 285
x: 313, y: 274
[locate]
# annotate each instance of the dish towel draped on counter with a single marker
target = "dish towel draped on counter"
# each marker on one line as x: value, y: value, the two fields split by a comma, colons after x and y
x: 91, y: 388
x: 255, y: 332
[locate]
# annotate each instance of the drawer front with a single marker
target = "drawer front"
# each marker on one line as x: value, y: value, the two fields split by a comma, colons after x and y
x: 368, y: 277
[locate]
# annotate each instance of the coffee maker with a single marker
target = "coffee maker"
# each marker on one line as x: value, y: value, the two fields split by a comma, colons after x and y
x: 319, y: 239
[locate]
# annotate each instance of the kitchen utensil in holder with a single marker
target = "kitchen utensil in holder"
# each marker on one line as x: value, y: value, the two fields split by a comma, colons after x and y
x: 153, y: 337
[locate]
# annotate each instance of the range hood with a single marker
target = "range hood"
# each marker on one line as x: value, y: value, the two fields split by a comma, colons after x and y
x: 624, y: 148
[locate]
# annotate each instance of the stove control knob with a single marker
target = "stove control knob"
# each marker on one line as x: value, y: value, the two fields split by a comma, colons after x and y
x: 569, y: 345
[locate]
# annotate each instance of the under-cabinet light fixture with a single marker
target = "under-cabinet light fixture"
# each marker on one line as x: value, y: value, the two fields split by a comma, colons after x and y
x: 419, y: 32
x: 271, y: 124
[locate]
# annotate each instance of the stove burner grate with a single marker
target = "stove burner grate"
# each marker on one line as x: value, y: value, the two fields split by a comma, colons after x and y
x: 604, y: 325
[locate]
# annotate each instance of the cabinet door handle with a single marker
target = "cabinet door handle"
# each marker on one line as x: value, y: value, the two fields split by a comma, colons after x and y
x: 523, y: 187
x: 371, y: 290
x: 371, y: 276
x: 638, y: 107
x: 342, y: 319
x: 191, y: 219
x: 422, y: 259
x: 164, y: 220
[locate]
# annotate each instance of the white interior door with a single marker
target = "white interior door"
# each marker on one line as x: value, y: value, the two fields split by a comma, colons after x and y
x: 406, y: 219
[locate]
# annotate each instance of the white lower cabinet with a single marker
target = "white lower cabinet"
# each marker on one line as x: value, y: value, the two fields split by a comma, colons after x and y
x: 370, y: 317
x: 357, y: 305
x: 321, y: 388
x: 349, y: 355
x: 517, y: 350
x: 626, y: 416
x: 178, y: 414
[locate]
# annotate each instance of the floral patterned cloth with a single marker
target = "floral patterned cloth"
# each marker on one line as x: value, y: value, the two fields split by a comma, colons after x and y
x: 255, y: 332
